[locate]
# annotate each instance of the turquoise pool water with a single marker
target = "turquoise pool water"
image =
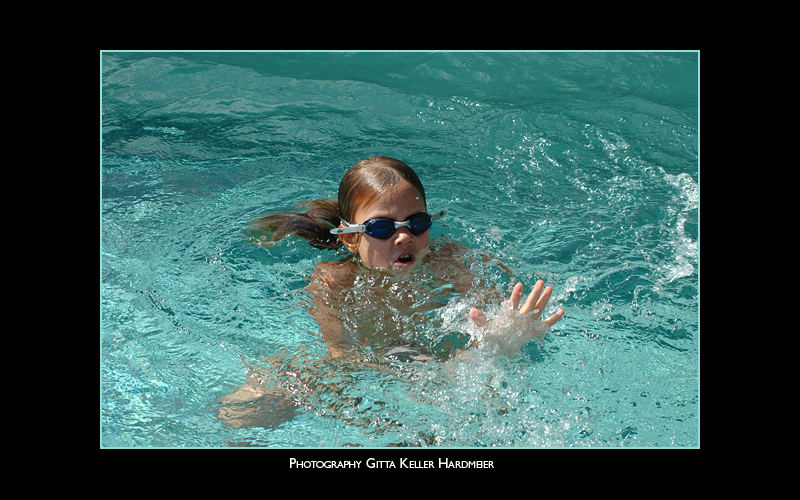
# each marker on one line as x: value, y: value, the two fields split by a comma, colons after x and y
x: 579, y: 168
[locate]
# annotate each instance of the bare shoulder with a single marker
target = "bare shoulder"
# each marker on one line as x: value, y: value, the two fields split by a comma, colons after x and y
x: 447, y: 253
x: 447, y: 261
x: 449, y: 249
x: 333, y: 275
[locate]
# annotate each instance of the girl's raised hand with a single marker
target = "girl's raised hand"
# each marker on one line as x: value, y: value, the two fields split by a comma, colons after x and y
x: 510, y: 331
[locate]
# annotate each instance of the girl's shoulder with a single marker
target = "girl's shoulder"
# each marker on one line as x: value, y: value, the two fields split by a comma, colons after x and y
x: 447, y: 261
x: 334, y: 275
x: 451, y: 247
x: 447, y: 250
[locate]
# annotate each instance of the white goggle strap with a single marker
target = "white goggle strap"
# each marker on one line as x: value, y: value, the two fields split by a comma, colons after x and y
x: 351, y: 228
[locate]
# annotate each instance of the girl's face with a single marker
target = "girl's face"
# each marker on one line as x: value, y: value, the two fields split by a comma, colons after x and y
x: 393, y: 253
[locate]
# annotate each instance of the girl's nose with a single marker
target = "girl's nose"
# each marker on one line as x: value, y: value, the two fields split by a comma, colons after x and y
x: 402, y: 236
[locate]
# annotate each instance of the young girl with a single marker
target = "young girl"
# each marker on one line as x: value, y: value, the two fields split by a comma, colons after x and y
x: 364, y: 310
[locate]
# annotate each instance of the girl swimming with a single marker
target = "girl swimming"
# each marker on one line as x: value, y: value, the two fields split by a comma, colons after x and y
x: 381, y: 218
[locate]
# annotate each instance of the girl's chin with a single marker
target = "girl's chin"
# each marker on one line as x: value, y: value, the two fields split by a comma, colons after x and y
x: 402, y: 266
x: 393, y: 268
x: 402, y: 269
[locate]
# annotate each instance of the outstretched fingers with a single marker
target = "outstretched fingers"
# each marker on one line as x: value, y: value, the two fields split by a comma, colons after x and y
x: 516, y: 296
x: 534, y: 305
x: 534, y: 300
x: 552, y: 320
x: 543, y: 300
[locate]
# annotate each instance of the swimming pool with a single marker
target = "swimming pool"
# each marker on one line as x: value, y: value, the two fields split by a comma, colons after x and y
x: 579, y: 168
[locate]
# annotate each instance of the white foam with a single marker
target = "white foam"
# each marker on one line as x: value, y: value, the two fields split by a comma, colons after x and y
x: 685, y: 248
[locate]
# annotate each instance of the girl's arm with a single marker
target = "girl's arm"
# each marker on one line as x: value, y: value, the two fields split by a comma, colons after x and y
x: 326, y: 283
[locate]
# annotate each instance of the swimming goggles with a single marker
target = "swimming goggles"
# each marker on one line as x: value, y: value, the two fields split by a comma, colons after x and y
x: 383, y: 228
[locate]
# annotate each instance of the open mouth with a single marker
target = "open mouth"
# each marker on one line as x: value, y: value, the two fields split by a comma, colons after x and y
x: 405, y: 259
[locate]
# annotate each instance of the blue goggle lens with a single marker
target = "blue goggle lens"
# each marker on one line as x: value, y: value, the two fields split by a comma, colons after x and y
x: 385, y: 228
